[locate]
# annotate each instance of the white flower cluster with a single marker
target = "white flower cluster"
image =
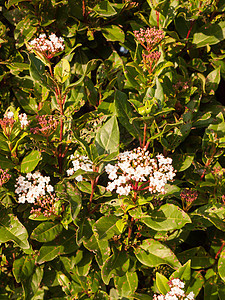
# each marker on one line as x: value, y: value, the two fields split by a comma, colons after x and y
x: 80, y: 162
x: 23, y: 120
x: 22, y: 117
x: 176, y: 292
x: 136, y: 171
x: 32, y: 186
x: 48, y: 46
x: 9, y: 115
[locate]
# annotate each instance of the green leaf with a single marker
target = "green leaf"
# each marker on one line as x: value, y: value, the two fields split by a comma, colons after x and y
x: 124, y: 113
x: 12, y: 230
x: 28, y: 103
x: 196, y: 283
x: 46, y: 232
x: 32, y: 284
x: 100, y: 247
x: 75, y: 200
x: 162, y: 283
x: 152, y: 253
x: 212, y: 81
x: 211, y: 289
x: 106, y: 227
x: 221, y: 265
x: 104, y: 9
x: 12, y: 2
x: 212, y: 212
x: 198, y: 256
x: 113, y: 33
x: 211, y: 35
x: 23, y: 267
x: 126, y: 284
x: 37, y: 69
x: 183, y: 273
x: 64, y: 244
x: 62, y: 70
x: 30, y: 161
x: 6, y: 163
x: 182, y: 162
x: 107, y: 137
x: 117, y: 264
x: 138, y: 296
x: 167, y: 217
x: 198, y: 65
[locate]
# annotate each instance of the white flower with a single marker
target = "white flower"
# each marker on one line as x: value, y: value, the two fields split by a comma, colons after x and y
x: 80, y: 162
x: 70, y: 172
x: 191, y: 296
x: 9, y: 115
x: 79, y: 178
x: 32, y: 186
x: 48, y: 46
x: 23, y: 120
x: 138, y: 169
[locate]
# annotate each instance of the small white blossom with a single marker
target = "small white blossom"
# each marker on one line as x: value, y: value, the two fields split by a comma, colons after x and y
x: 9, y: 115
x: 23, y: 120
x: 176, y: 292
x: 135, y: 170
x: 32, y: 186
x: 48, y: 47
x: 79, y: 162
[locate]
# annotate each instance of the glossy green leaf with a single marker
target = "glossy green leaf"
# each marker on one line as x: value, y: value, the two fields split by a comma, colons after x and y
x: 152, y: 253
x: 167, y: 217
x: 183, y: 273
x: 6, y: 163
x: 32, y: 284
x: 126, y: 284
x: 221, y: 265
x: 12, y: 2
x: 124, y: 113
x: 46, y: 232
x: 37, y: 69
x: 211, y: 35
x: 198, y: 256
x: 213, y: 213
x: 107, y: 137
x: 196, y: 283
x: 117, y: 264
x: 211, y: 289
x: 106, y: 227
x: 182, y: 162
x: 62, y: 70
x: 162, y: 283
x: 23, y: 267
x: 30, y: 161
x: 12, y: 230
x: 113, y: 33
x: 105, y: 9
x: 64, y: 244
x: 212, y: 81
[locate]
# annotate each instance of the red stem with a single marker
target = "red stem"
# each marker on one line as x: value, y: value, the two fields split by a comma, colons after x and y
x: 189, y: 31
x: 220, y: 250
x: 157, y: 18
x: 144, y: 138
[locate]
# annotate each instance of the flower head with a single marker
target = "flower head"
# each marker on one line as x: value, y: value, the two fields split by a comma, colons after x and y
x: 176, y: 292
x: 47, y: 47
x: 32, y: 186
x: 149, y: 38
x: 9, y: 120
x: 137, y: 171
x: 80, y: 162
x: 4, y: 176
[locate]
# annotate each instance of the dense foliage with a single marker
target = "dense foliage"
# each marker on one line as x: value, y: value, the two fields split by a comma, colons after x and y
x: 112, y: 146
